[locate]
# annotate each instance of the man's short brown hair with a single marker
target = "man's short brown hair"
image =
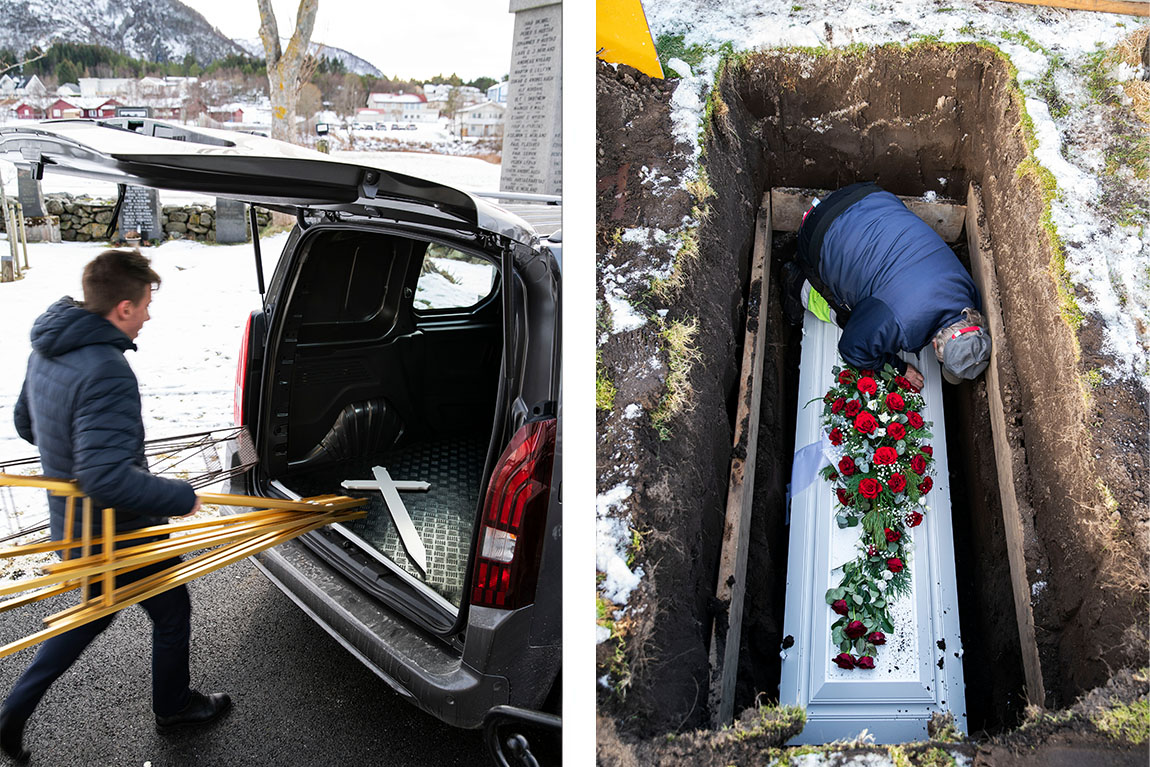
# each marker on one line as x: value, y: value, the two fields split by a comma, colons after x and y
x: 117, y: 275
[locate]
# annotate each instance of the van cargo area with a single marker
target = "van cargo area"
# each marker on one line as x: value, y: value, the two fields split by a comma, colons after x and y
x: 359, y: 378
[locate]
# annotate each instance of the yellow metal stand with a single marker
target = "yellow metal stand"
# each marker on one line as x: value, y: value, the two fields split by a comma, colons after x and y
x: 228, y: 538
x: 623, y: 37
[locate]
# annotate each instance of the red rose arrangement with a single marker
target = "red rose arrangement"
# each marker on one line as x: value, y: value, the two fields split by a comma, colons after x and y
x: 874, y: 422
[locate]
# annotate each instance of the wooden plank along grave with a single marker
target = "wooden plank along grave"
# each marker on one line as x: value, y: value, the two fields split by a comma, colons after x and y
x: 918, y: 672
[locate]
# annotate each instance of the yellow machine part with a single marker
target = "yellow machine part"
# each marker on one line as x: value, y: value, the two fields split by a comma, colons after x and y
x: 623, y: 37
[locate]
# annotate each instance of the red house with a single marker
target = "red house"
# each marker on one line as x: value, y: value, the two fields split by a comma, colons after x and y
x: 25, y: 111
x: 83, y: 107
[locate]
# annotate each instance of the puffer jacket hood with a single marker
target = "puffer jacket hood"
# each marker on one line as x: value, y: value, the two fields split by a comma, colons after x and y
x: 67, y: 326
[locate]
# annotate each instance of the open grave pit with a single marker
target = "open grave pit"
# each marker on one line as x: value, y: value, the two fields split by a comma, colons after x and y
x: 927, y: 120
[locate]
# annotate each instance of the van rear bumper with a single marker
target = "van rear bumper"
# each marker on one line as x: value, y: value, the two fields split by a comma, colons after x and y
x: 418, y: 666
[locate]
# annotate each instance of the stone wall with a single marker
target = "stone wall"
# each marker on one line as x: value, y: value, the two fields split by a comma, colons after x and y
x: 83, y: 219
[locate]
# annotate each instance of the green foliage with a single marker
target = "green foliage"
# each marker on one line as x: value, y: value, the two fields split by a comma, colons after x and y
x: 483, y: 83
x: 1048, y: 90
x: 669, y: 46
x: 605, y: 391
x: 935, y: 757
x: 1024, y: 40
x: 1126, y: 722
x: 679, y: 342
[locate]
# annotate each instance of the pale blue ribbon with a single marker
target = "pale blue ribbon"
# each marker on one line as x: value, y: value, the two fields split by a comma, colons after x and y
x: 808, y: 461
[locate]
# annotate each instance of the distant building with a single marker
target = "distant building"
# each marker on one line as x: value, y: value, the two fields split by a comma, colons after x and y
x: 469, y: 94
x: 21, y: 86
x: 27, y: 111
x: 228, y: 113
x: 94, y: 107
x: 401, y: 107
x: 498, y: 93
x: 68, y: 90
x: 482, y: 120
x: 91, y: 87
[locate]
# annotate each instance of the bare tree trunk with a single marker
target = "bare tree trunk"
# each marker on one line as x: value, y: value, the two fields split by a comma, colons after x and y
x: 284, y: 64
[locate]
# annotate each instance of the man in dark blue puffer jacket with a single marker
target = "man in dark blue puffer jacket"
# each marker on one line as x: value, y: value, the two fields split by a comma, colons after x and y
x: 80, y: 405
x: 871, y: 266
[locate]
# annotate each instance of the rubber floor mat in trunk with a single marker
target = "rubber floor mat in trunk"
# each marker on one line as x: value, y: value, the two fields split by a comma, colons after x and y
x: 444, y: 516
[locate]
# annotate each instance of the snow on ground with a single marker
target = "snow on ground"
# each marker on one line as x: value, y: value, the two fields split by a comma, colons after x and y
x: 1110, y: 261
x: 186, y: 361
x: 1106, y: 259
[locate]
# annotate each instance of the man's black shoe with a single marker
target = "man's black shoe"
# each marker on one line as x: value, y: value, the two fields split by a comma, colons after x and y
x: 201, y: 709
x: 12, y: 739
x: 793, y: 279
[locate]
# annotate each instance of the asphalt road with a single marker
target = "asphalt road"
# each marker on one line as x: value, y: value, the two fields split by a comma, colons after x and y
x: 298, y: 697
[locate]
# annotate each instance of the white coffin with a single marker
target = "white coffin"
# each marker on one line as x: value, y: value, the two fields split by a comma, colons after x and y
x: 913, y: 676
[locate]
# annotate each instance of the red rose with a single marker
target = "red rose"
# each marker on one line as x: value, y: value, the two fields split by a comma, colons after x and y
x: 892, y: 536
x: 925, y: 486
x: 896, y: 431
x: 832, y: 476
x: 901, y: 382
x: 894, y: 564
x: 913, y: 519
x: 865, y: 372
x: 894, y: 401
x: 845, y: 660
x: 867, y: 385
x: 838, y: 405
x: 865, y: 423
x: 914, y: 419
x: 852, y: 409
x: 839, y: 606
x: 847, y: 465
x: 927, y: 449
x: 845, y: 498
x: 828, y: 397
x: 877, y: 638
x: 866, y: 662
x: 855, y: 629
x: 885, y: 455
x: 870, y: 487
x: 836, y: 437
x: 846, y: 377
x: 897, y: 483
x: 871, y: 550
x: 918, y: 465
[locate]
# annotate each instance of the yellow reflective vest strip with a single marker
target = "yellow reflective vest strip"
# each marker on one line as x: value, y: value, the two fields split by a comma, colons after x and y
x: 818, y: 306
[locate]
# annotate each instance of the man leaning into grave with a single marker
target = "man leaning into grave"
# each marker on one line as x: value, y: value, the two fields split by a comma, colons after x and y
x: 868, y: 264
x: 80, y: 405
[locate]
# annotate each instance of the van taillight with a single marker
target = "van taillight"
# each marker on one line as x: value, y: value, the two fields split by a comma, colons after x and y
x: 242, y: 374
x: 515, y: 519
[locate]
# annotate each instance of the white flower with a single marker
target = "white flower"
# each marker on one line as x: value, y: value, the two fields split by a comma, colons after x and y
x: 884, y: 417
x: 922, y: 500
x: 887, y: 575
x: 880, y: 585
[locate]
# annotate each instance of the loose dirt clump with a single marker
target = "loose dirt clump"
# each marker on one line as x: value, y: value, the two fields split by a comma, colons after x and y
x: 924, y: 119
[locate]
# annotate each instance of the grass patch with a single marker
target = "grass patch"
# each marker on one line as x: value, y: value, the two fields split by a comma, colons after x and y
x: 1126, y: 722
x: 667, y: 288
x: 679, y: 341
x: 1025, y: 41
x: 605, y: 391
x: 935, y: 757
x: 669, y: 46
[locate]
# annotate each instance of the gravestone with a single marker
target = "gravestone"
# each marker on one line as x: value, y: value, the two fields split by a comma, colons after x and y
x: 533, y: 129
x: 231, y: 220
x: 28, y: 192
x: 141, y: 213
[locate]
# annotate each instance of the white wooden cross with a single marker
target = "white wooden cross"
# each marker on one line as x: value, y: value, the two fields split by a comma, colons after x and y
x: 408, y: 535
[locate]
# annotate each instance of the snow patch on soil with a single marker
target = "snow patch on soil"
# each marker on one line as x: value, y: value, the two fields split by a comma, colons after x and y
x: 612, y: 538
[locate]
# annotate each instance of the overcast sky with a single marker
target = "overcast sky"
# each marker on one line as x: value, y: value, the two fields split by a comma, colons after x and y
x: 413, y: 40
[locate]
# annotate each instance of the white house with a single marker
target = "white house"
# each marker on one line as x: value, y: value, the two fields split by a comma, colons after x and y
x: 11, y: 85
x: 90, y: 87
x: 469, y: 94
x: 482, y: 120
x: 498, y: 92
x: 401, y: 107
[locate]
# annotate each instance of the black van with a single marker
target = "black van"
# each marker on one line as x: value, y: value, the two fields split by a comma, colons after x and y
x: 411, y: 328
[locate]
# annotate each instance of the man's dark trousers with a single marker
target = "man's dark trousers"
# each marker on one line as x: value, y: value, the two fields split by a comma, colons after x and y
x: 170, y: 612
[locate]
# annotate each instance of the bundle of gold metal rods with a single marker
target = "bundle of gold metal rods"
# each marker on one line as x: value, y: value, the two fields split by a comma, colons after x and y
x: 221, y: 541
